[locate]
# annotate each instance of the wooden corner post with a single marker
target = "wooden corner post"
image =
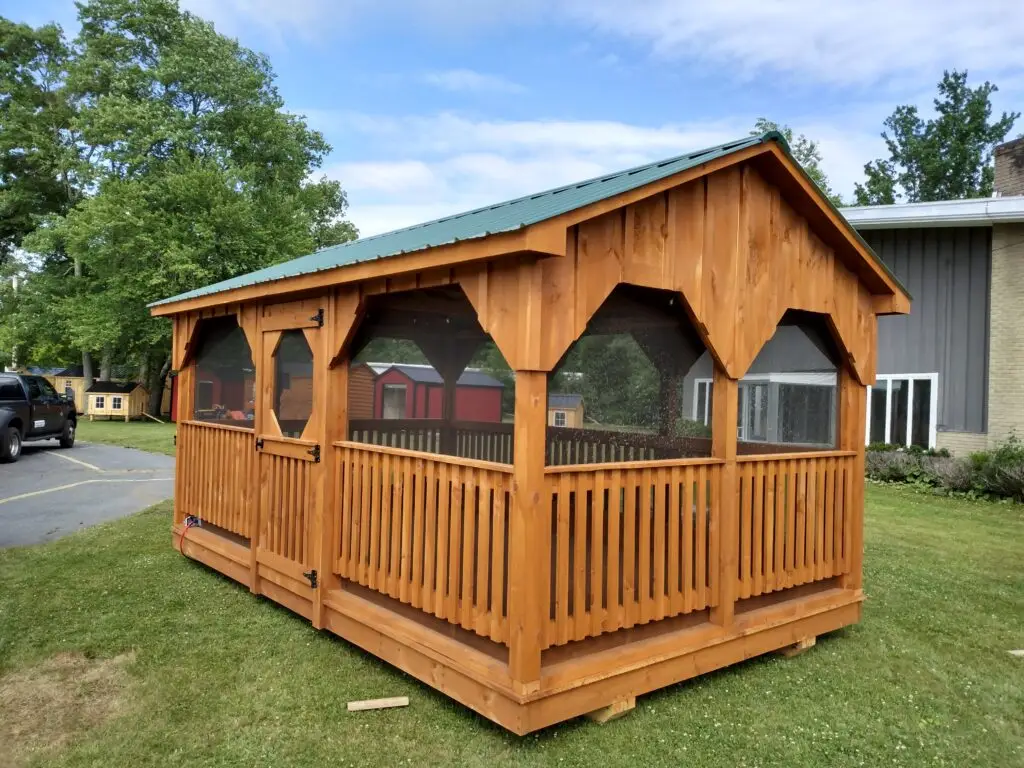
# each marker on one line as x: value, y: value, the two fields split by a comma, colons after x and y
x: 852, y: 417
x: 527, y: 532
x: 185, y: 392
x: 725, y: 394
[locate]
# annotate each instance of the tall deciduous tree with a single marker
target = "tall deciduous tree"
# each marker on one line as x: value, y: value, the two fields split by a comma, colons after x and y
x: 947, y: 157
x: 35, y: 118
x: 197, y: 175
x: 805, y: 151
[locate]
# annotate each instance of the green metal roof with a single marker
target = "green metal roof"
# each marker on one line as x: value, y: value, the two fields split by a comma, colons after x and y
x: 493, y: 219
x: 501, y: 217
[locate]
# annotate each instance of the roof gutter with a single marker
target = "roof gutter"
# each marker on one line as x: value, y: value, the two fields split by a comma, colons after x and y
x: 977, y: 212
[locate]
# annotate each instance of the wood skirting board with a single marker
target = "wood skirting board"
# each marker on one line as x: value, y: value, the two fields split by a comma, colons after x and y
x: 596, y: 674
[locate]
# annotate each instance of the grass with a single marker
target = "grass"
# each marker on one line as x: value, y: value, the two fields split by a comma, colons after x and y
x: 144, y: 435
x: 220, y: 678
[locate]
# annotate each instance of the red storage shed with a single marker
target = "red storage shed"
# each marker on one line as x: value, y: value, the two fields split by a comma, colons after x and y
x: 405, y: 391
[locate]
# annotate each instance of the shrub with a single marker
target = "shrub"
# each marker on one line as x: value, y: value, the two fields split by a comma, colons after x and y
x: 894, y: 466
x: 955, y: 475
x: 691, y: 428
x: 999, y: 472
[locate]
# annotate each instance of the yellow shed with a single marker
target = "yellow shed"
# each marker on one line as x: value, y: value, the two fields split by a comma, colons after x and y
x: 565, y: 411
x: 71, y: 382
x: 116, y: 399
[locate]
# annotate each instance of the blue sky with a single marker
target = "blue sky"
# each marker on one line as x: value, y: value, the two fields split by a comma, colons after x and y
x: 437, y: 106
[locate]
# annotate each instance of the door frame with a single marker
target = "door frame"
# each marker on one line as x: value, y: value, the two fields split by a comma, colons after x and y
x: 270, y: 570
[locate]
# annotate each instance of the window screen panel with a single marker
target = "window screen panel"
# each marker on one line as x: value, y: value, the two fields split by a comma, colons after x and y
x: 225, y: 377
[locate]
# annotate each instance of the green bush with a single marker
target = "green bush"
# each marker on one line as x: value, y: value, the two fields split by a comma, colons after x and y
x: 1001, y: 471
x: 691, y: 428
x: 997, y: 473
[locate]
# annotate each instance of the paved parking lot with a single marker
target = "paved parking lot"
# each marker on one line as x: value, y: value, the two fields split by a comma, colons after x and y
x: 51, y: 492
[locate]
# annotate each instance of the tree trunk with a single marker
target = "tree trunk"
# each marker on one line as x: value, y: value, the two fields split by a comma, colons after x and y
x: 105, y: 364
x: 86, y: 357
x: 156, y: 387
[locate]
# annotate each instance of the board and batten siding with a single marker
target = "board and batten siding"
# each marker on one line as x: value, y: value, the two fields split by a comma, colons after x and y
x: 948, y: 272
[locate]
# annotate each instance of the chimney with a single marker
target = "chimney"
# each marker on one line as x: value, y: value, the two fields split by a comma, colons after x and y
x: 1010, y: 168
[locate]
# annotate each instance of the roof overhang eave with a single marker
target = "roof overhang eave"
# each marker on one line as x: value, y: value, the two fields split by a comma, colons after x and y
x: 540, y: 238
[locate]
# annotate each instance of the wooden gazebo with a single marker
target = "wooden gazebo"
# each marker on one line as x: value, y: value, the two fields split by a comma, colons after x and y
x: 532, y: 572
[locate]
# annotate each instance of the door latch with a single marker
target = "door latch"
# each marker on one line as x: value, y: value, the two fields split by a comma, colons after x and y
x: 259, y: 443
x: 315, y: 453
x: 311, y: 576
x: 318, y: 318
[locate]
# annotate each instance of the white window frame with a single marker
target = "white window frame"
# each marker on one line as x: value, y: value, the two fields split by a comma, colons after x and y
x: 824, y: 379
x: 404, y: 389
x: 933, y: 406
x: 560, y: 414
x: 116, y: 402
x: 704, y: 418
x: 99, y: 401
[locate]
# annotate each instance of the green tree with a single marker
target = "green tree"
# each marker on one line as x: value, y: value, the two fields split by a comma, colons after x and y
x: 35, y: 121
x: 947, y: 157
x: 805, y: 151
x: 195, y: 174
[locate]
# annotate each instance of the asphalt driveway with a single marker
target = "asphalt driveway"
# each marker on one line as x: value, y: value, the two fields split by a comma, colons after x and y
x: 52, y: 492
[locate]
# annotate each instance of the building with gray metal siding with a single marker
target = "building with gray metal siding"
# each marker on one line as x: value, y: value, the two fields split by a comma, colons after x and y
x: 947, y: 270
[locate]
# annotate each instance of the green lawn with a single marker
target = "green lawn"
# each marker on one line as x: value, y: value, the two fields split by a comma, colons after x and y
x: 198, y: 672
x: 144, y: 435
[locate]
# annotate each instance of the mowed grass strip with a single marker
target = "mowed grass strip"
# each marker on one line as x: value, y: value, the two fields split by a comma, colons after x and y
x: 142, y: 435
x: 219, y: 678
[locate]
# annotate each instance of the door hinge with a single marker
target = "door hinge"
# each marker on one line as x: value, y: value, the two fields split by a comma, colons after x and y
x: 259, y: 443
x: 311, y: 576
x: 318, y: 318
x: 315, y: 453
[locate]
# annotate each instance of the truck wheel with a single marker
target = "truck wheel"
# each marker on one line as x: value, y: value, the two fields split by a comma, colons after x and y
x: 67, y: 438
x: 10, y: 444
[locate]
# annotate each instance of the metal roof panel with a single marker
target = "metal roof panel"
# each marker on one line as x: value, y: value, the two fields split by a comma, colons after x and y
x: 508, y: 216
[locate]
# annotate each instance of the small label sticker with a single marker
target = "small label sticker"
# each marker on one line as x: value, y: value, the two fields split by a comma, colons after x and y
x: 38, y: 423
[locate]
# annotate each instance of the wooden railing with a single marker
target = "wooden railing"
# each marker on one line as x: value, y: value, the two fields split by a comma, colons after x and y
x: 409, y: 434
x: 483, y: 440
x: 216, y: 470
x: 631, y: 543
x: 492, y: 441
x: 793, y: 521
x: 286, y: 525
x: 430, y: 531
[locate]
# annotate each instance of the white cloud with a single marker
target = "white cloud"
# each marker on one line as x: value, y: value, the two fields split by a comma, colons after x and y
x: 470, y: 81
x: 444, y: 164
x: 842, y: 42
x: 276, y: 19
x: 388, y: 177
x: 847, y: 42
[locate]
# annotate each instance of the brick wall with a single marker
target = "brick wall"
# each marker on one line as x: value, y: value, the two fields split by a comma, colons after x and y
x: 1006, y: 334
x: 961, y: 443
x: 1009, y: 177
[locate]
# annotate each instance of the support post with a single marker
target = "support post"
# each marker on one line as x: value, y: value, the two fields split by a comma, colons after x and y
x: 330, y: 388
x: 852, y: 416
x: 529, y: 540
x: 185, y: 392
x: 725, y: 394
x: 260, y: 480
x: 450, y: 379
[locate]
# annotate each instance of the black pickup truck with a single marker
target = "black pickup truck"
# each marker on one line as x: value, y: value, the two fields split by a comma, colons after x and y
x: 31, y: 409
